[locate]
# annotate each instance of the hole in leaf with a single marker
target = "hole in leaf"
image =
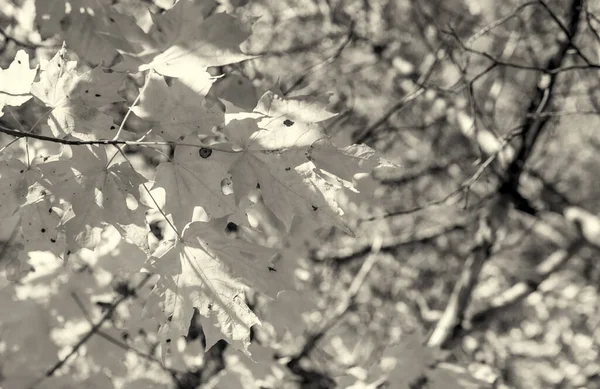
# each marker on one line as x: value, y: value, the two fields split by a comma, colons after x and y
x: 205, y: 153
x: 231, y: 227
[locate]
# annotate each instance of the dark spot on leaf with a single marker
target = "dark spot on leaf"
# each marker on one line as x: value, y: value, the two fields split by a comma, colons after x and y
x: 87, y: 91
x: 258, y: 185
x: 272, y: 269
x: 287, y: 169
x: 22, y: 170
x: 98, y: 95
x: 43, y: 230
x: 19, y: 61
x: 50, y: 210
x: 231, y: 227
x: 68, y: 252
x: 205, y: 153
x: 288, y: 123
x: 112, y: 127
x: 315, y: 207
x: 168, y: 341
x: 210, y: 306
x: 111, y: 19
x: 58, y: 65
x: 52, y: 240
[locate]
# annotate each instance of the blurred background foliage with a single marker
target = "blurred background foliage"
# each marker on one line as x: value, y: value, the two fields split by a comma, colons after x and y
x: 436, y: 86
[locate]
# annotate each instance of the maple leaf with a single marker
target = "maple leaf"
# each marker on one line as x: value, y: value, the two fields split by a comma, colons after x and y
x: 178, y: 110
x: 213, y: 42
x: 300, y: 108
x: 287, y: 154
x: 75, y: 98
x: 14, y: 183
x: 15, y: 81
x: 179, y: 43
x: 40, y: 222
x: 210, y: 271
x: 193, y: 179
x: 99, y: 194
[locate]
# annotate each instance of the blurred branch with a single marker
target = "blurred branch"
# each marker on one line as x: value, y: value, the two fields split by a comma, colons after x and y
x: 450, y: 325
x: 415, y: 235
x: 484, y: 30
x: 447, y: 327
x: 299, y: 49
x: 420, y: 172
x: 331, y: 59
x: 364, y: 135
x: 93, y: 330
x: 521, y: 290
x: 10, y: 38
x: 313, y: 338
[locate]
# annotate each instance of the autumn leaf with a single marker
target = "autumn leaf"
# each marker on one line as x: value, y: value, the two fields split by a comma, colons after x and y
x: 194, y: 179
x: 100, y: 194
x: 210, y: 271
x: 286, y: 153
x: 75, y: 98
x: 195, y: 46
x: 15, y: 82
x: 178, y: 110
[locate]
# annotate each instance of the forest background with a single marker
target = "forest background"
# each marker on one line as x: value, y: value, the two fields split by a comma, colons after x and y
x: 491, y: 111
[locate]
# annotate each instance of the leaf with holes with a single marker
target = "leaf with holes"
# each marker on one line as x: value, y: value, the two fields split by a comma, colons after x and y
x: 210, y: 271
x: 297, y: 168
x: 194, y: 179
x: 100, y: 193
x: 75, y: 98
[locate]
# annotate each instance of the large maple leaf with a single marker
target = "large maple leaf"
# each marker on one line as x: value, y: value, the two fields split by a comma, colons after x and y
x: 211, y: 271
x: 182, y: 41
x: 15, y: 82
x: 179, y: 110
x: 100, y: 193
x: 22, y: 191
x: 193, y: 179
x: 75, y: 98
x: 286, y: 153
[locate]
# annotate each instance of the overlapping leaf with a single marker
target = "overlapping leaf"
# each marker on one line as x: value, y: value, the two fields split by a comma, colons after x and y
x: 210, y: 271
x: 182, y: 41
x: 15, y: 82
x: 99, y: 194
x: 289, y: 157
x: 75, y: 98
x: 194, y: 179
x: 179, y: 110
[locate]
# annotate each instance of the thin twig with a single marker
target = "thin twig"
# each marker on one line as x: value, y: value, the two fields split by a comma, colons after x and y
x: 95, y: 328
